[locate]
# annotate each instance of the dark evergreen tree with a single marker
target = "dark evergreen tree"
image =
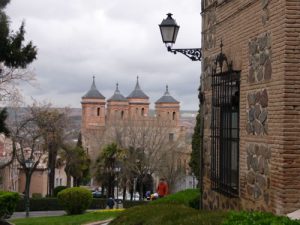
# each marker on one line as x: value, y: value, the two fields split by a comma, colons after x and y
x: 196, y: 144
x: 14, y: 54
x: 3, y: 127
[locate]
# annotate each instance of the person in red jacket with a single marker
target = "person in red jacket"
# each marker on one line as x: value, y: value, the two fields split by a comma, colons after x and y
x: 162, y: 188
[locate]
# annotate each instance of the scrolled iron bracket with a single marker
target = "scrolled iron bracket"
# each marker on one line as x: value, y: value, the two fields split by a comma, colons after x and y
x: 193, y: 53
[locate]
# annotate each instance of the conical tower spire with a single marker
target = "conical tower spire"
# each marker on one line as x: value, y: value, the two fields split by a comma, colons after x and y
x: 137, y: 92
x: 93, y: 92
x: 167, y: 98
x: 117, y: 96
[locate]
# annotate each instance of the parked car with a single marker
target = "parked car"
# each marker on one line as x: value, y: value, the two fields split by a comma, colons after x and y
x: 97, y: 194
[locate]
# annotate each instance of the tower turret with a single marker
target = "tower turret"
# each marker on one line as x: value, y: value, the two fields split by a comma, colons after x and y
x: 167, y: 107
x: 93, y: 108
x: 138, y: 102
x: 117, y: 106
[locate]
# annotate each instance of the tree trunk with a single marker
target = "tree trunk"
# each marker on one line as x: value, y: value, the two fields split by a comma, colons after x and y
x: 141, y: 189
x: 124, y: 193
x: 51, y: 165
x: 52, y: 155
x: 68, y: 180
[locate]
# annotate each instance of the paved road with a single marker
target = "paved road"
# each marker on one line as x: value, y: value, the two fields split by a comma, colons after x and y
x: 38, y: 214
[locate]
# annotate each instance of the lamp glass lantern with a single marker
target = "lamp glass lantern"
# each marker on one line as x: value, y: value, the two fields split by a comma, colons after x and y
x: 117, y: 169
x: 29, y: 163
x: 169, y: 30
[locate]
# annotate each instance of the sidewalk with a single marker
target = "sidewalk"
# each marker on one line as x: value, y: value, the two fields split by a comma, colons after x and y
x: 294, y: 215
x: 18, y: 215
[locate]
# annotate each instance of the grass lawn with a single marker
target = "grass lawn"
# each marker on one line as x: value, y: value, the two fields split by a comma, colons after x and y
x: 68, y: 220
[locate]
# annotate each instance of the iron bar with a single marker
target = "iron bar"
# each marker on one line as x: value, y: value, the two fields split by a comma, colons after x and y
x: 225, y: 128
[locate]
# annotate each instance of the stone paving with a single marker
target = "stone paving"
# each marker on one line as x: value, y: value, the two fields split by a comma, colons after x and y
x: 294, y: 215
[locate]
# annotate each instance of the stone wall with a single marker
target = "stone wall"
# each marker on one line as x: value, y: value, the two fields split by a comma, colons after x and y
x: 258, y: 165
x: 262, y: 40
x: 257, y: 113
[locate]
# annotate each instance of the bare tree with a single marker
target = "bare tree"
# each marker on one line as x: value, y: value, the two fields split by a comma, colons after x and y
x: 28, y: 144
x: 53, y: 124
x: 144, y: 141
x: 172, y: 169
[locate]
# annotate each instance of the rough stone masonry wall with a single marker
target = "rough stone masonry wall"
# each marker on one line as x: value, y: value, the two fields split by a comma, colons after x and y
x: 255, y: 39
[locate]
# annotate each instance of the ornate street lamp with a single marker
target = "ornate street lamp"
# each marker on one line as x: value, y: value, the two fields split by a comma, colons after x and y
x: 169, y: 30
x: 28, y: 165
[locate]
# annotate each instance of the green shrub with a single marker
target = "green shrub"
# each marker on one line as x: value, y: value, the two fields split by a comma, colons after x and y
x: 167, y: 214
x: 129, y: 204
x: 39, y: 204
x: 51, y: 204
x: 249, y: 218
x: 8, y: 202
x: 58, y: 189
x: 37, y: 195
x: 75, y: 200
x: 189, y: 197
x: 98, y: 203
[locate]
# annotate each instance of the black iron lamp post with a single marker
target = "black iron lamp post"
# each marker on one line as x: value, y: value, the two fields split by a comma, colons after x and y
x: 117, y: 171
x: 29, y: 165
x: 169, y: 30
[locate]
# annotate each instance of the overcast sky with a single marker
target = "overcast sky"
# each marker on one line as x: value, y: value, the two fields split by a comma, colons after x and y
x: 115, y: 40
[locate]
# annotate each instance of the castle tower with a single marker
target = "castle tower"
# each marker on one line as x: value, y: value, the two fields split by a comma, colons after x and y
x: 117, y: 106
x: 167, y: 108
x: 93, y: 108
x: 138, y: 102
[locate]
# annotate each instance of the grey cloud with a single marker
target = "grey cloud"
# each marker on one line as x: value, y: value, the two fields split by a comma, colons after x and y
x: 113, y: 40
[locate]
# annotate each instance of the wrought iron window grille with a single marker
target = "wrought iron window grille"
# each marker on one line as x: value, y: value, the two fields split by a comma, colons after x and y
x: 225, y: 127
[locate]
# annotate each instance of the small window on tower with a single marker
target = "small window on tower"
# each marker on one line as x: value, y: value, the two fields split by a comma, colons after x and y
x: 171, y: 137
x: 142, y: 112
x: 98, y: 111
x: 174, y: 115
x: 122, y: 115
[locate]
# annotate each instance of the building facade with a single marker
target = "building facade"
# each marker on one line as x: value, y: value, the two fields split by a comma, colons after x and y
x: 104, y: 122
x: 250, y: 88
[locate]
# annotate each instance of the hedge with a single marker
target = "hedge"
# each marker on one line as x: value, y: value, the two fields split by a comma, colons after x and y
x: 128, y: 204
x: 249, y: 218
x: 52, y: 204
x: 8, y: 202
x: 167, y: 214
x: 58, y: 189
x: 188, y: 197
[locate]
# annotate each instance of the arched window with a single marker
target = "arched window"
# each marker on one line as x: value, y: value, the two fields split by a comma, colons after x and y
x: 174, y: 116
x: 122, y: 115
x: 98, y: 111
